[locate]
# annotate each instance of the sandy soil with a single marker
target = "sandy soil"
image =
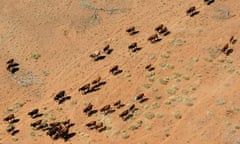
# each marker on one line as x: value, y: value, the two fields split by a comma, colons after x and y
x: 192, y: 92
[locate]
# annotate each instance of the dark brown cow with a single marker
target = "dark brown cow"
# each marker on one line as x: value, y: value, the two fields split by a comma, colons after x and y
x: 105, y: 108
x: 88, y: 108
x: 59, y: 95
x: 132, y: 107
x: 132, y: 46
x: 85, y: 88
x: 36, y: 123
x: 140, y: 96
x: 124, y: 113
x: 33, y: 112
x: 9, y: 118
x: 96, y: 81
x: 153, y: 38
x: 131, y: 30
x: 99, y: 125
x: 159, y: 28
x: 191, y: 10
x: 91, y: 123
x: 225, y: 48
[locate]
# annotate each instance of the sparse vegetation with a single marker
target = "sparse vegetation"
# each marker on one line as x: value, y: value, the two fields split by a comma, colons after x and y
x: 149, y: 115
x: 35, y: 55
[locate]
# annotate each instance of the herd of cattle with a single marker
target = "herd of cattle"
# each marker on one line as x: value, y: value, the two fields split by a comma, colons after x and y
x: 60, y: 129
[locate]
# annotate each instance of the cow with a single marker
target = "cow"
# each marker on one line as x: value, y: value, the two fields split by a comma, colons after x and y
x: 85, y: 89
x: 96, y: 81
x: 11, y: 66
x: 88, y: 108
x: 131, y: 30
x: 36, y: 123
x: 159, y: 28
x: 124, y: 113
x: 91, y: 123
x: 140, y: 96
x: 191, y: 10
x: 226, y: 46
x: 132, y: 46
x: 98, y: 125
x: 132, y: 107
x: 59, y: 95
x: 153, y: 38
x: 9, y: 118
x: 33, y: 112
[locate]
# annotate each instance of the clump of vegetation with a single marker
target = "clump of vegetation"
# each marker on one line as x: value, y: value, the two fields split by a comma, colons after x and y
x: 178, y: 42
x: 172, y: 90
x: 149, y: 115
x: 221, y: 102
x: 125, y: 135
x: 136, y: 125
x: 177, y: 115
x: 158, y: 96
x: 35, y: 55
x: 155, y: 105
x: 164, y: 81
x: 159, y: 115
x: 147, y: 86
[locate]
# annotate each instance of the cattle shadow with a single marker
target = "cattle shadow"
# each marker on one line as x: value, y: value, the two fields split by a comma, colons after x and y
x: 167, y: 33
x: 229, y: 51
x: 14, y: 121
x: 210, y: 2
x: 102, y: 129
x: 37, y: 115
x: 133, y: 33
x: 68, y: 136
x: 15, y: 132
x: 90, y: 113
x: 144, y: 100
x: 127, y: 117
x: 100, y: 58
x: 137, y: 49
x: 194, y: 13
x: 64, y: 99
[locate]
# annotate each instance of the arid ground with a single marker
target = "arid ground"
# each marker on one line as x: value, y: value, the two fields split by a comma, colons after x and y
x: 192, y: 92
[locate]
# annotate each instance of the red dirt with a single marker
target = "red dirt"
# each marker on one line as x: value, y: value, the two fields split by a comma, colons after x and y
x: 66, y: 32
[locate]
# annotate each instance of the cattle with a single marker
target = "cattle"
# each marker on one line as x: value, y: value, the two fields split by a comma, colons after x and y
x: 42, y: 126
x: 159, y: 28
x: 117, y: 103
x: 105, y: 108
x: 132, y: 46
x: 52, y: 131
x: 149, y: 67
x: 232, y: 40
x: 226, y: 46
x: 115, y: 70
x: 124, y: 113
x: 140, y: 96
x: 88, y: 108
x: 10, y: 128
x: 131, y: 30
x: 132, y: 107
x: 91, y: 123
x: 9, y: 118
x: 59, y: 95
x: 10, y: 61
x: 208, y: 2
x: 96, y: 81
x: 98, y: 125
x: 54, y: 124
x: 11, y: 66
x: 107, y: 49
x: 191, y: 10
x: 154, y: 38
x: 33, y: 112
x: 85, y: 89
x: 96, y: 55
x: 36, y: 123
x: 228, y: 52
